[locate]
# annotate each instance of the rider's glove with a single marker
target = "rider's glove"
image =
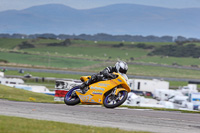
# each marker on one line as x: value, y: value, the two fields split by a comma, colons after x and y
x: 109, y: 75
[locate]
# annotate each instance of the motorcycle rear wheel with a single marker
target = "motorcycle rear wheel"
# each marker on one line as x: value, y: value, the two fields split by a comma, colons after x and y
x: 111, y: 101
x: 71, y: 98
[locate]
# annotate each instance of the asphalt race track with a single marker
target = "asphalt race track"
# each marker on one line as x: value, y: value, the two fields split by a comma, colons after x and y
x: 96, y: 115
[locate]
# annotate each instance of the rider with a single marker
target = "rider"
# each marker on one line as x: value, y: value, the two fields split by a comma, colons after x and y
x: 120, y: 67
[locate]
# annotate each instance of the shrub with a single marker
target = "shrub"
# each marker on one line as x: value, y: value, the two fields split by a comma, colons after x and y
x: 4, y: 61
x: 190, y: 50
x: 144, y: 46
x: 67, y: 42
x: 25, y: 45
x: 118, y: 45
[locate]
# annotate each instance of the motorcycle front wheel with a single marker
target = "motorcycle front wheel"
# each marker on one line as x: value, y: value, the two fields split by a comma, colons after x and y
x: 71, y: 98
x: 112, y: 101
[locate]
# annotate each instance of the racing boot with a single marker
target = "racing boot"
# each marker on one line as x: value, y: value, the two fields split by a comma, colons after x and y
x: 84, y: 86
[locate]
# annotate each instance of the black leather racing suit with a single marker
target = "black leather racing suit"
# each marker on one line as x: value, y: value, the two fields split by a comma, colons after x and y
x: 106, y: 73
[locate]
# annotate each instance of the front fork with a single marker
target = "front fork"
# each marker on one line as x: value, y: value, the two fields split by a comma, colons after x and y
x: 115, y: 93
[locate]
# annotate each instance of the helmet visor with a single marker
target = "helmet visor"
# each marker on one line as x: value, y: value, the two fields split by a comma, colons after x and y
x: 121, y: 70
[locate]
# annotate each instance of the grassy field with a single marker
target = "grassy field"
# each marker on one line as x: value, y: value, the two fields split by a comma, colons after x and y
x: 9, y: 43
x: 94, y: 56
x: 43, y: 74
x: 171, y: 60
x: 10, y: 124
x: 163, y: 71
x: 101, y: 49
x: 89, y: 51
x: 158, y: 71
x: 95, y: 66
x: 47, y: 61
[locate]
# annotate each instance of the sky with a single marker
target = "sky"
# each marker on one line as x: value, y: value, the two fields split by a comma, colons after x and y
x: 87, y: 4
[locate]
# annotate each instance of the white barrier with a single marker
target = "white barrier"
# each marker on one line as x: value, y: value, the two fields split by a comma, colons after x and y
x: 62, y: 87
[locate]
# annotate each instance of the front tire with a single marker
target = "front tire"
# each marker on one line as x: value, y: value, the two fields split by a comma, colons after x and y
x: 71, y: 98
x: 112, y: 101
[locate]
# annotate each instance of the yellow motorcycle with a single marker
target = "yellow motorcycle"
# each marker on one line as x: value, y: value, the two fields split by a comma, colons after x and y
x: 110, y: 92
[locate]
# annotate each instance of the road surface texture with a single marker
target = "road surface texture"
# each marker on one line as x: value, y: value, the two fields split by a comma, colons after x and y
x: 96, y: 115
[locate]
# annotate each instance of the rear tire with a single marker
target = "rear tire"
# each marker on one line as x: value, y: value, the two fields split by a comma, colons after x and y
x: 112, y: 102
x: 70, y: 99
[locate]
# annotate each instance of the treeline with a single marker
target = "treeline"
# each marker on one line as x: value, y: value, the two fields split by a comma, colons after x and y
x: 179, y: 49
x: 189, y: 50
x: 138, y: 45
x: 102, y: 37
x: 30, y: 44
x: 66, y: 42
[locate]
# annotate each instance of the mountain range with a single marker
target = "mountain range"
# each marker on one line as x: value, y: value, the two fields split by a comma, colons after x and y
x: 118, y: 19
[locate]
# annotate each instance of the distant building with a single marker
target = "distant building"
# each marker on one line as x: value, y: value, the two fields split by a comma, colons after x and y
x: 144, y: 86
x: 11, y: 81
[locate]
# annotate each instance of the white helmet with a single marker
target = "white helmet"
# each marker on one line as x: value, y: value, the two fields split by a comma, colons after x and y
x: 121, y: 67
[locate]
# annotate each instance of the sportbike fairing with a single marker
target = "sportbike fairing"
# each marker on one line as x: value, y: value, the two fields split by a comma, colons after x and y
x: 97, y: 91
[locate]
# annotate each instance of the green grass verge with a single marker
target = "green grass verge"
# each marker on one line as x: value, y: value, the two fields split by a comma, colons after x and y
x: 15, y: 94
x: 10, y: 124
